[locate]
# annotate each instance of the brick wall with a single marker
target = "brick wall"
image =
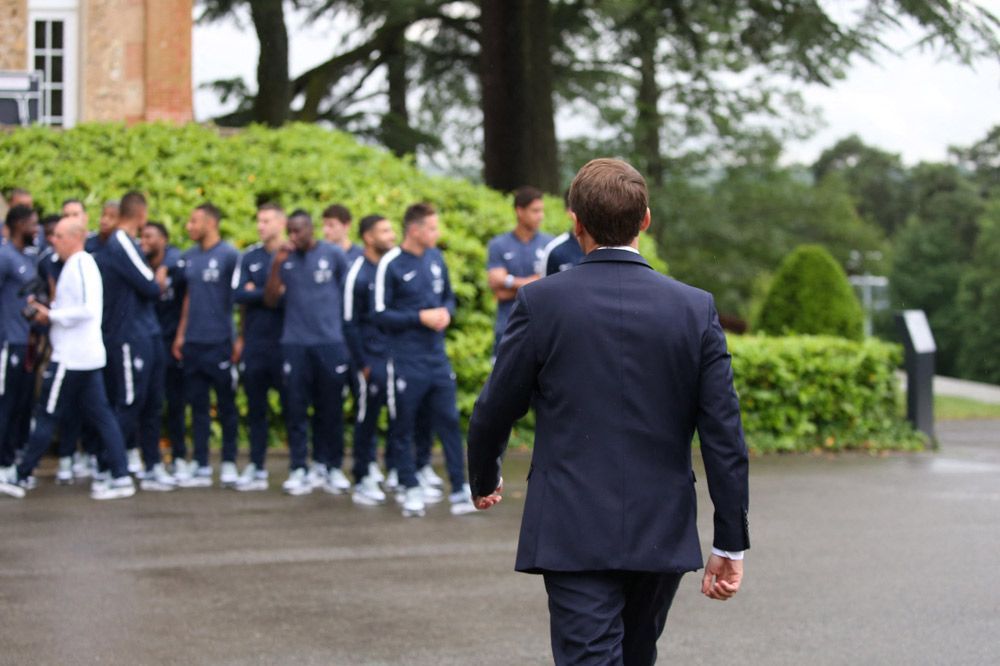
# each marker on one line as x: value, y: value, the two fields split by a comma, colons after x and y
x: 168, y: 60
x: 13, y: 34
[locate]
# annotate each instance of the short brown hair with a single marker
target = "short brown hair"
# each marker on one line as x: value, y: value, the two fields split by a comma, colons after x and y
x: 525, y: 195
x: 609, y: 198
x: 337, y: 212
x: 416, y: 214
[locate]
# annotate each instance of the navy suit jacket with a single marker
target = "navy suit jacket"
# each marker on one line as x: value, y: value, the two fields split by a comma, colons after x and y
x: 621, y: 365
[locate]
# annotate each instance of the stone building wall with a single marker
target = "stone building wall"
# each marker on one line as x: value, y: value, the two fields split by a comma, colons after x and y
x: 13, y: 24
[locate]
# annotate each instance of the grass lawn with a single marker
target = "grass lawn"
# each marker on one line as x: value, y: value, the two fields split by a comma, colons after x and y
x: 947, y: 408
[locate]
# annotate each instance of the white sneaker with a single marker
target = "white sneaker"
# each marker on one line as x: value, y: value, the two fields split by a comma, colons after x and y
x: 337, y: 483
x: 64, y: 475
x: 118, y: 488
x: 432, y: 495
x: 11, y: 488
x: 297, y: 483
x: 82, y: 465
x: 317, y: 475
x: 8, y: 474
x: 427, y: 477
x: 367, y: 493
x: 252, y: 479
x: 228, y: 475
x: 391, y: 480
x: 461, y: 501
x: 199, y: 477
x: 134, y: 462
x: 413, y: 502
x: 375, y: 472
x: 158, y: 479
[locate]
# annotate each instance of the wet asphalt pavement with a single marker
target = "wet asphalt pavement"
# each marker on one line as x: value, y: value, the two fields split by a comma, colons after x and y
x: 856, y: 559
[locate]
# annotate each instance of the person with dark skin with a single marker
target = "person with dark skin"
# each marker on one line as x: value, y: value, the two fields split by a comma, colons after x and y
x: 106, y: 226
x: 204, y: 342
x: 17, y: 270
x: 309, y: 275
x: 155, y: 244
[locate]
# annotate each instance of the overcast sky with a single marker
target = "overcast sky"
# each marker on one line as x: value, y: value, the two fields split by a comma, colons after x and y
x: 915, y: 104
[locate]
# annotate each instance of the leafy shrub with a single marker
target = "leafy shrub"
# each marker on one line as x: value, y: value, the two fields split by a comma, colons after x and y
x: 299, y: 166
x: 810, y: 295
x: 979, y: 305
x: 807, y: 392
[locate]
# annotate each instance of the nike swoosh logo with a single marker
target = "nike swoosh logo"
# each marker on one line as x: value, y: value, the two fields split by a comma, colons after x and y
x: 409, y: 276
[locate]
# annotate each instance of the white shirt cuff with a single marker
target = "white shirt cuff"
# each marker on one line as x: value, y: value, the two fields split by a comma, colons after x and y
x: 728, y: 554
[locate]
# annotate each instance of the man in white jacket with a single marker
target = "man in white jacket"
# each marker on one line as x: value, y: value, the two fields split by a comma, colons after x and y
x: 73, y: 379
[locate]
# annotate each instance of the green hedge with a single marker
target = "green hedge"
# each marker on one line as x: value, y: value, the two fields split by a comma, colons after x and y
x: 814, y: 392
x: 810, y: 295
x: 179, y: 167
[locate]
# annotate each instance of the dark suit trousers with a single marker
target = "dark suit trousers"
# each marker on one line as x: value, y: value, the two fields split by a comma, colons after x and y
x: 608, y: 617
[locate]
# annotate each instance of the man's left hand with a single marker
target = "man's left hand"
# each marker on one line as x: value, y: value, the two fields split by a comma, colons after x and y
x: 722, y: 578
x: 483, y: 503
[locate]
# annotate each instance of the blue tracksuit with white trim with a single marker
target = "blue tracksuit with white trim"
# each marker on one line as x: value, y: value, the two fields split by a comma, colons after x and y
x: 261, y: 367
x: 168, y: 312
x: 16, y: 376
x: 368, y: 350
x: 208, y: 346
x: 419, y: 372
x: 561, y: 254
x: 316, y: 360
x: 136, y: 358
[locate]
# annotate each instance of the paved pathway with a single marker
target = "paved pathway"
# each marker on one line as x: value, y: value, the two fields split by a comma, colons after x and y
x: 857, y: 559
x: 961, y: 388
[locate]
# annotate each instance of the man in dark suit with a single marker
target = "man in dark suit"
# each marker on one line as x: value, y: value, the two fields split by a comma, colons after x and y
x: 621, y: 365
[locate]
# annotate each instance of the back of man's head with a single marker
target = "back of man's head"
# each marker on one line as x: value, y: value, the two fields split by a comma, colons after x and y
x: 132, y: 205
x: 609, y: 198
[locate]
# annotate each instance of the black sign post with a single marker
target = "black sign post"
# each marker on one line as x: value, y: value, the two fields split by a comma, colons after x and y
x: 918, y: 341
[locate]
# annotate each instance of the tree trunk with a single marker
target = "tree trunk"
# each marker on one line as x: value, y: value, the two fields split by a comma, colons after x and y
x: 271, y: 106
x: 648, y: 121
x: 396, y: 132
x: 515, y: 73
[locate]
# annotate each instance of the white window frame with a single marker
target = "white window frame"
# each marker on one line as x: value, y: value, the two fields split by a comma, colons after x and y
x: 68, y: 12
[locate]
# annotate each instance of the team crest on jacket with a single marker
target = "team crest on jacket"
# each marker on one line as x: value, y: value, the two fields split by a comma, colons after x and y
x: 138, y: 364
x: 323, y: 273
x: 14, y: 360
x: 211, y: 274
x: 437, y: 284
x: 400, y: 384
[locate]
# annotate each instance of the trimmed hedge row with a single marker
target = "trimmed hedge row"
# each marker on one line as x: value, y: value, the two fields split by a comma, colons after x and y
x: 805, y: 393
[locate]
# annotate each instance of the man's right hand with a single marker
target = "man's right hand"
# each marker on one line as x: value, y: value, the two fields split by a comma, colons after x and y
x: 722, y: 578
x: 436, y: 319
x: 177, y: 349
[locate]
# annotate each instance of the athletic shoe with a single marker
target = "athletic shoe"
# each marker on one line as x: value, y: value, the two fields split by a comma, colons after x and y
x: 8, y: 474
x: 427, y: 477
x: 391, y: 480
x: 200, y: 477
x: 11, y: 489
x: 118, y: 488
x: 317, y: 475
x: 461, y: 501
x: 158, y: 479
x: 28, y: 484
x: 375, y: 473
x: 252, y: 479
x: 367, y: 493
x: 134, y: 462
x: 84, y: 465
x: 337, y: 483
x: 64, y: 476
x: 297, y: 483
x: 228, y: 475
x: 413, y: 502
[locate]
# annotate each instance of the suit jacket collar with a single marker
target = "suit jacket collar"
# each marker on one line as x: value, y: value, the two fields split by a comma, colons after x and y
x: 615, y: 255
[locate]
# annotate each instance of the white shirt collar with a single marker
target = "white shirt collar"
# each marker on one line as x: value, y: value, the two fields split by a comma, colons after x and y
x: 618, y: 247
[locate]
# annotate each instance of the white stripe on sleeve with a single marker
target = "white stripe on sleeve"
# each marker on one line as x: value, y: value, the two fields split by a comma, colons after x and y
x: 352, y: 277
x: 380, y: 278
x: 543, y: 263
x: 126, y: 242
x: 236, y: 273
